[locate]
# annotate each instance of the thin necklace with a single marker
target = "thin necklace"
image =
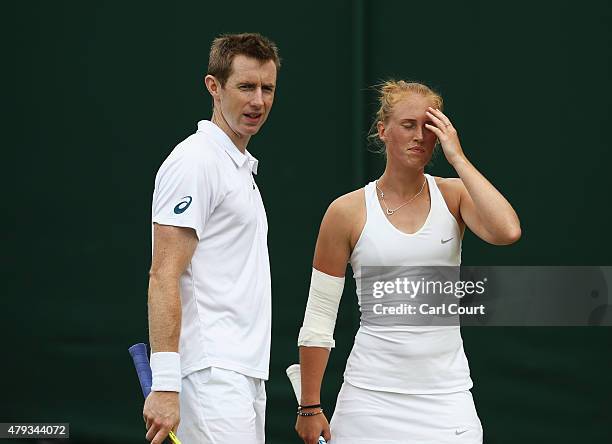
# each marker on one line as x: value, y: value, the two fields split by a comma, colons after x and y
x: 391, y: 211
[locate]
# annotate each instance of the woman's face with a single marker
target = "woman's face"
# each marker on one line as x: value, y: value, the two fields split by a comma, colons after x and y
x: 406, y: 138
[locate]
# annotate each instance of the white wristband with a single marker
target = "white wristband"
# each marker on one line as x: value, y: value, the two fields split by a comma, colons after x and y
x: 166, y: 369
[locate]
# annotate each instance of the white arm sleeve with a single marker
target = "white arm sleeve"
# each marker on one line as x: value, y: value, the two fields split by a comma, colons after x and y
x: 321, y: 310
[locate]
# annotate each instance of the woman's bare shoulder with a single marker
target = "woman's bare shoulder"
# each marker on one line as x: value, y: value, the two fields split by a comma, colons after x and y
x: 450, y: 186
x: 346, y: 216
x: 451, y: 189
x: 350, y: 203
x: 448, y: 181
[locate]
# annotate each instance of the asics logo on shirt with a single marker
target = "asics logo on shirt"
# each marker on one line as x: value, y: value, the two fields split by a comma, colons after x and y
x: 183, y: 205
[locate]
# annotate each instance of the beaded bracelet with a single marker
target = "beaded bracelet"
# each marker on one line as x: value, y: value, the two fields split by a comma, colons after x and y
x: 301, y: 413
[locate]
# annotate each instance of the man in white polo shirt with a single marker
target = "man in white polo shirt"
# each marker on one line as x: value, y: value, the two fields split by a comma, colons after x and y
x: 209, y: 287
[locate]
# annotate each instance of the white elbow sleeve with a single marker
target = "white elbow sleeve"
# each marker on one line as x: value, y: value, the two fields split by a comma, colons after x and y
x: 321, y: 310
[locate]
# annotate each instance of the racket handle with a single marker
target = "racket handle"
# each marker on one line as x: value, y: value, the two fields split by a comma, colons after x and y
x: 143, y: 369
x: 145, y: 376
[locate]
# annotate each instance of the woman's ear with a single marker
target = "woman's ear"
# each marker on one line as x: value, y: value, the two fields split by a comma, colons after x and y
x: 380, y: 126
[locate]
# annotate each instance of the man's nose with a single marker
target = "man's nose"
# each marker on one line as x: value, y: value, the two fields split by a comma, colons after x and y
x: 257, y: 99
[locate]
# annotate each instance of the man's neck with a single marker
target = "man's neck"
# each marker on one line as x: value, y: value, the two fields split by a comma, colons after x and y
x: 241, y: 141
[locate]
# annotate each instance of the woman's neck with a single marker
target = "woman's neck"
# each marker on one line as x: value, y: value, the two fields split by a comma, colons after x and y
x: 403, y: 182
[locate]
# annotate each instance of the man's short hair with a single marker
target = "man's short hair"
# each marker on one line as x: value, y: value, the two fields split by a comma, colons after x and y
x: 227, y: 46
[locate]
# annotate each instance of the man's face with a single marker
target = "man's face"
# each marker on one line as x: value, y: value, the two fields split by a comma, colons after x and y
x: 405, y: 135
x: 246, y: 98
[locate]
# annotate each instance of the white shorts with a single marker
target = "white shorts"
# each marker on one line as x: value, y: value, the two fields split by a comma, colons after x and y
x: 373, y: 417
x: 221, y: 406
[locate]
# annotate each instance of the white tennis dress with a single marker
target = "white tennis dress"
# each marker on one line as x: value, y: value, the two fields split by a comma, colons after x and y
x: 406, y: 384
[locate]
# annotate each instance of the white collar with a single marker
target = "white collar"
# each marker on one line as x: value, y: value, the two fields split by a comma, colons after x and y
x: 230, y: 148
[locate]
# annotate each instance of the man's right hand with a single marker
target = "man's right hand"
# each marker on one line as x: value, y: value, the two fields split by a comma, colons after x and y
x: 309, y: 428
x: 161, y: 415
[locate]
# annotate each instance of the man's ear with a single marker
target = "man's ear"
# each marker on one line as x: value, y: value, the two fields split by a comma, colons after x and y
x: 212, y: 85
x: 380, y: 126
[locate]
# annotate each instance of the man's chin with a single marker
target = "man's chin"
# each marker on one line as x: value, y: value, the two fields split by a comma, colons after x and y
x: 249, y: 130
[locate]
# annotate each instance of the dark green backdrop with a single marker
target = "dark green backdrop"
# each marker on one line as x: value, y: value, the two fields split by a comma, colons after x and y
x: 96, y: 94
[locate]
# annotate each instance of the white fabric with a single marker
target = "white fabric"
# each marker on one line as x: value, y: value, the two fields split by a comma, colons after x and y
x: 220, y: 406
x: 207, y: 184
x: 366, y: 417
x: 402, y: 359
x: 321, y: 310
x: 166, y: 370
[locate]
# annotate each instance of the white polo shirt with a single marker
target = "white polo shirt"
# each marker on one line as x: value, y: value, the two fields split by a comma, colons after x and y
x: 207, y: 184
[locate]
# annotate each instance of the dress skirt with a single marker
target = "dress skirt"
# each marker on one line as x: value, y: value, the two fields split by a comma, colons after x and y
x: 375, y: 417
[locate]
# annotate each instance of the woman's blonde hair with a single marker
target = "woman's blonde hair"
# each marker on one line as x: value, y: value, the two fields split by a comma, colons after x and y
x: 391, y: 92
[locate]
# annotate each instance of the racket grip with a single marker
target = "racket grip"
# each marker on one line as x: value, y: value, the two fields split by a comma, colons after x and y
x: 295, y: 377
x: 143, y: 369
x: 145, y: 376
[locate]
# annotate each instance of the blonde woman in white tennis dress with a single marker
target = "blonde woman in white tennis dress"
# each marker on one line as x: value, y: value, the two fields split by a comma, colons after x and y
x: 400, y: 385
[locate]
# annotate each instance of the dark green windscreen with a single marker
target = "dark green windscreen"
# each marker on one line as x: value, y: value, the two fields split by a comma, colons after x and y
x: 96, y: 94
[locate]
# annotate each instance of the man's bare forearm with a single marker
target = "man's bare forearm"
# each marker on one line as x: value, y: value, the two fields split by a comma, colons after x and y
x: 313, y: 361
x: 164, y: 313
